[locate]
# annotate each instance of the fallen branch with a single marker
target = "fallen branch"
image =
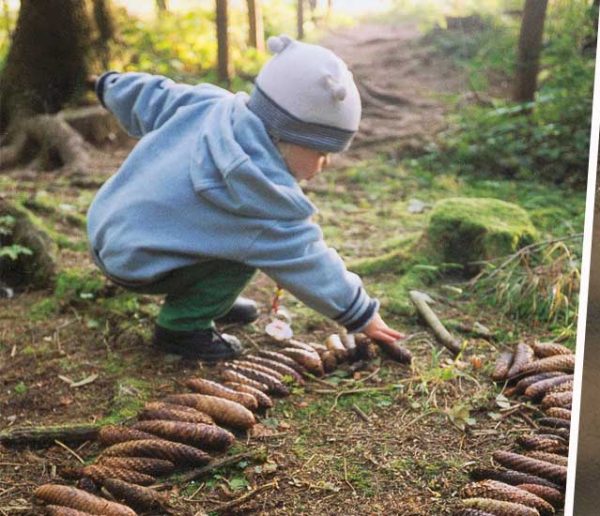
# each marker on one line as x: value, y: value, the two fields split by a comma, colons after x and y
x: 36, y: 435
x: 421, y: 302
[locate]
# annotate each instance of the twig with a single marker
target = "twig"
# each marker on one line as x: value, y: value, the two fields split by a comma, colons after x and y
x: 346, y: 477
x: 420, y: 300
x: 221, y: 463
x: 357, y: 410
x: 413, y: 421
x: 244, y: 498
x: 63, y: 445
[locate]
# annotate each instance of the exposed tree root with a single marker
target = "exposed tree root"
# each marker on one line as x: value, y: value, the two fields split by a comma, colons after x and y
x: 55, y: 141
x: 59, y: 141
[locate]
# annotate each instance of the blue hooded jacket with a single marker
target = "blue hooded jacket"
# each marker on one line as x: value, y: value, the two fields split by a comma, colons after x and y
x: 207, y: 182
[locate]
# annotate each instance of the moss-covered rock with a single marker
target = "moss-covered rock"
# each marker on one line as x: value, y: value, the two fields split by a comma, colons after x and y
x: 467, y: 230
x: 33, y: 262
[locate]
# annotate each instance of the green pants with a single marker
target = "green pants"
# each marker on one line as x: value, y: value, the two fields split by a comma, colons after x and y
x: 198, y: 294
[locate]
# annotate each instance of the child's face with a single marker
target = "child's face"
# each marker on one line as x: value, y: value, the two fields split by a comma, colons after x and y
x: 303, y: 162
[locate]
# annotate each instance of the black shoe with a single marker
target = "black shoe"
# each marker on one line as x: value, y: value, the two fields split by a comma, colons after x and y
x: 207, y: 345
x: 243, y: 311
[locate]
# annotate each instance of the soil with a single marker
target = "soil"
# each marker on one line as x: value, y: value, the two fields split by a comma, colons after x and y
x: 409, y: 450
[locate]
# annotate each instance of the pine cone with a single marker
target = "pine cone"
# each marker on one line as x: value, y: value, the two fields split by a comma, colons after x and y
x: 177, y: 453
x: 207, y: 437
x: 168, y: 411
x: 77, y: 499
x: 503, y: 363
x: 504, y: 492
x: 202, y: 386
x: 283, y: 369
x: 536, y: 467
x: 263, y: 400
x: 548, y: 349
x: 500, y: 508
x: 139, y: 497
x: 113, y: 434
x: 154, y: 467
x: 224, y: 412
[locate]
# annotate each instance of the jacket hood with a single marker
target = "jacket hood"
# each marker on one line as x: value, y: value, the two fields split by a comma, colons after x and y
x: 237, y: 167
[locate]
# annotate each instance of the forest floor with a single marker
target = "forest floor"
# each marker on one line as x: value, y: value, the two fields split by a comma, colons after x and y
x: 390, y: 439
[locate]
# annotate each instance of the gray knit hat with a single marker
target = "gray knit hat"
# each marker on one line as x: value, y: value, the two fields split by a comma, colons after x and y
x: 306, y: 95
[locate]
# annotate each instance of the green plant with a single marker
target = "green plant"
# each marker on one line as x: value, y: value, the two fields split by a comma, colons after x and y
x: 538, y: 284
x: 548, y: 138
x: 9, y: 250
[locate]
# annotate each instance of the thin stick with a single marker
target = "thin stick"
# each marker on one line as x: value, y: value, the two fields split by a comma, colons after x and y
x: 221, y: 463
x: 357, y: 410
x: 63, y: 445
x: 419, y: 299
x: 244, y: 498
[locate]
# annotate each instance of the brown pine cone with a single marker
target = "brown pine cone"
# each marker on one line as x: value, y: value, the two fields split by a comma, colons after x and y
x: 207, y: 437
x: 177, y: 453
x: 154, y: 467
x: 99, y: 472
x: 171, y: 412
x: 142, y: 498
x: 503, y: 363
x: 229, y: 375
x: 283, y: 369
x: 77, y: 499
x: 263, y: 400
x: 203, y: 386
x: 551, y: 495
x: 536, y: 467
x: 224, y: 412
x: 500, y: 508
x: 114, y: 434
x: 282, y: 359
x: 511, y: 477
x: 523, y: 357
x: 505, y: 492
x: 548, y: 349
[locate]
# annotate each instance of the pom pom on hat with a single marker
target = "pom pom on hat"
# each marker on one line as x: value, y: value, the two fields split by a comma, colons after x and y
x: 277, y: 44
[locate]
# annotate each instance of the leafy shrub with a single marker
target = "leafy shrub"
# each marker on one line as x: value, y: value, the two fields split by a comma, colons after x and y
x: 547, y: 139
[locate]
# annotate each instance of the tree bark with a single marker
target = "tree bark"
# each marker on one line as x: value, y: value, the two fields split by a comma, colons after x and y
x: 255, y: 19
x: 48, y: 59
x: 162, y: 6
x: 223, y: 62
x: 106, y: 30
x: 40, y: 435
x: 530, y: 45
x: 300, y: 19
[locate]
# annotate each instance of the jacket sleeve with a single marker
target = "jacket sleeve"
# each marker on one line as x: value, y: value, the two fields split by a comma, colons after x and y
x: 295, y: 255
x: 143, y: 102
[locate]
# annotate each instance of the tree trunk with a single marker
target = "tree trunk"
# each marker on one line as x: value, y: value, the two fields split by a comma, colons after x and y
x: 300, y: 19
x: 106, y: 30
x: 530, y: 45
x: 255, y: 18
x: 162, y: 6
x: 48, y: 60
x: 224, y: 64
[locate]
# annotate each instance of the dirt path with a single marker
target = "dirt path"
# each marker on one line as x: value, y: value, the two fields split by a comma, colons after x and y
x: 401, y: 85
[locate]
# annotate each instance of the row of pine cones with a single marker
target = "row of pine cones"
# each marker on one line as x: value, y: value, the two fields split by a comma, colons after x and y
x: 531, y: 482
x: 183, y: 429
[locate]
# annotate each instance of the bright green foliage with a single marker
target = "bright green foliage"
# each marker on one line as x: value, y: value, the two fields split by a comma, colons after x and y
x: 467, y: 230
x: 75, y: 286
x: 183, y: 46
x: 10, y: 251
x: 546, y: 139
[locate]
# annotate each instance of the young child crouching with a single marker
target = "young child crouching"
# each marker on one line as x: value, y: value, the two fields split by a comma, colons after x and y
x: 210, y: 194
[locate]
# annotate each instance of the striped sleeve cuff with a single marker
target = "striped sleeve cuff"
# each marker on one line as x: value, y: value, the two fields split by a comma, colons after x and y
x: 100, y: 83
x: 359, y: 313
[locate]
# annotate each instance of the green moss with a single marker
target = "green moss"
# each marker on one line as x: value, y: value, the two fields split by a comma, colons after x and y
x: 43, y: 309
x: 78, y: 284
x: 129, y: 398
x: 466, y: 230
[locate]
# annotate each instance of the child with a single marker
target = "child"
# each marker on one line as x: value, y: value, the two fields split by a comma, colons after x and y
x: 210, y: 194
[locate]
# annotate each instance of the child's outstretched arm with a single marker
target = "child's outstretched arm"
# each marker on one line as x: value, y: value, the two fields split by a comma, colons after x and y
x: 143, y: 102
x: 295, y: 255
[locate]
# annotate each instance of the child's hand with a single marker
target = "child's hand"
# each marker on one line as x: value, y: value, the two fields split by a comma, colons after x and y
x: 378, y: 330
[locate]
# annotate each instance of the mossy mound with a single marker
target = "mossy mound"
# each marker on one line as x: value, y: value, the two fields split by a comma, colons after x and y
x: 35, y: 263
x: 468, y: 230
